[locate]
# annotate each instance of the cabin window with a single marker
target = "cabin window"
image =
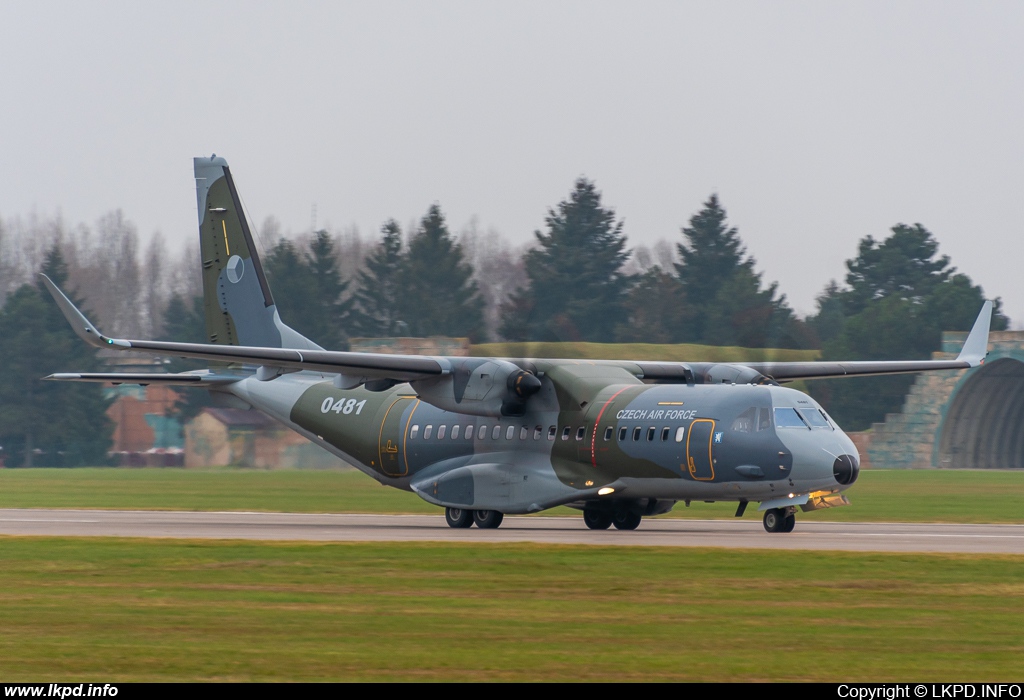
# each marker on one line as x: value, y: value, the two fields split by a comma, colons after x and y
x: 636, y: 433
x: 523, y: 432
x: 664, y: 434
x: 565, y: 432
x: 622, y: 433
x: 481, y: 433
x: 426, y: 432
x: 496, y: 432
x: 608, y: 433
x: 789, y: 418
x: 551, y: 432
x: 537, y: 432
x: 441, y: 432
x: 680, y: 433
x: 581, y: 433
x: 455, y: 432
x: 650, y: 434
x: 414, y: 432
x: 510, y: 433
x: 813, y: 418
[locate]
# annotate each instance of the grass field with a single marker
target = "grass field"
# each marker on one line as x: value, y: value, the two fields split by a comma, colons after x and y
x: 904, y: 495
x: 133, y: 610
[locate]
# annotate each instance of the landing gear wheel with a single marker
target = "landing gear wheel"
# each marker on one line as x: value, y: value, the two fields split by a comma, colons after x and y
x: 775, y: 520
x: 626, y: 520
x: 487, y: 519
x: 458, y: 517
x: 789, y: 523
x: 597, y: 519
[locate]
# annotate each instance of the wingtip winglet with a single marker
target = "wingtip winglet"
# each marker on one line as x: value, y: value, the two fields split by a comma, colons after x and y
x: 976, y: 346
x: 79, y: 323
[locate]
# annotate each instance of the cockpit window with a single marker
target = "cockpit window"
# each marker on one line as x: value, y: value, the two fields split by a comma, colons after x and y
x: 753, y: 420
x: 788, y: 418
x: 744, y: 422
x: 814, y: 418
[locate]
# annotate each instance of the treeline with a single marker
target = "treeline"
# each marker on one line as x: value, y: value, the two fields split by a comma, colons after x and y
x: 577, y: 281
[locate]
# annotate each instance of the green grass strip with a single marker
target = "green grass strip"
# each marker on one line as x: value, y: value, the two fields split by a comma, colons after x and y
x: 107, y: 610
x: 899, y: 496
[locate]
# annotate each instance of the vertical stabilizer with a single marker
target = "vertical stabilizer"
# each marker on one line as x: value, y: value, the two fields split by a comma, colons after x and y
x: 240, y: 309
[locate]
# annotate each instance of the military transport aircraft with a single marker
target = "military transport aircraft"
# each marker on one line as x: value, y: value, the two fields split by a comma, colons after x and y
x: 482, y: 437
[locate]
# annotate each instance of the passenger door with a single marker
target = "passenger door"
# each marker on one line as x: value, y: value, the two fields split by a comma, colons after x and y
x: 699, y: 446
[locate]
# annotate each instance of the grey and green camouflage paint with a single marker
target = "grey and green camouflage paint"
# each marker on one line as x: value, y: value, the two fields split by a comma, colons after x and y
x: 239, y: 307
x: 488, y: 436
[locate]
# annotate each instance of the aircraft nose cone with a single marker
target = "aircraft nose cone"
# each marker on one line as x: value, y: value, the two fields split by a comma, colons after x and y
x: 846, y: 469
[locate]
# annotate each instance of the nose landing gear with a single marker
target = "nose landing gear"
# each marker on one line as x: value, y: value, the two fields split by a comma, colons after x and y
x: 780, y: 519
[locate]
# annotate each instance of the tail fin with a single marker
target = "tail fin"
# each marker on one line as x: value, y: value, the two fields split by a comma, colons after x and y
x: 240, y: 309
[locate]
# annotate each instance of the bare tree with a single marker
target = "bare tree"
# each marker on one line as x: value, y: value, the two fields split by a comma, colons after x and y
x: 154, y: 286
x: 497, y: 269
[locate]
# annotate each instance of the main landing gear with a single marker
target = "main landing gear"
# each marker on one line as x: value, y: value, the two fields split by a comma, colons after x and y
x: 602, y: 519
x: 462, y: 518
x: 780, y: 519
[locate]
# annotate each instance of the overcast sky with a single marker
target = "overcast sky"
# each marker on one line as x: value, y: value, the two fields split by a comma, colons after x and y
x: 817, y: 123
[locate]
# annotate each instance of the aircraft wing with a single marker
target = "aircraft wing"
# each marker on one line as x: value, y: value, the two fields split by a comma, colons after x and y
x: 973, y: 354
x: 355, y: 365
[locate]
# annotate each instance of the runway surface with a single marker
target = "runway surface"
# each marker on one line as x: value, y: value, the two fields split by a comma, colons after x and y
x: 742, y: 533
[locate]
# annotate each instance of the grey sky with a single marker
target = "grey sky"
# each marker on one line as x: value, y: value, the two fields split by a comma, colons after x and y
x: 817, y: 123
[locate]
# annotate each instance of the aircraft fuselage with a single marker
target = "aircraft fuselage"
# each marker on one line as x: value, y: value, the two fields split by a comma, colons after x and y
x: 651, y: 442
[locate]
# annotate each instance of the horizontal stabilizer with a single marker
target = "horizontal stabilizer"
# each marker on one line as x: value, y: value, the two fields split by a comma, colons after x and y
x: 358, y: 366
x: 143, y: 378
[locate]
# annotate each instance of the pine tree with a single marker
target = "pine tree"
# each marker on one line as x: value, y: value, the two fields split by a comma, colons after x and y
x: 377, y: 308
x: 576, y: 290
x: 309, y: 291
x: 48, y: 423
x: 185, y: 322
x: 723, y: 292
x: 653, y: 311
x: 327, y: 311
x: 901, y: 296
x: 439, y: 296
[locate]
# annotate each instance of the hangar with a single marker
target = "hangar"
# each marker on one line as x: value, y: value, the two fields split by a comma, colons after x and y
x: 959, y: 420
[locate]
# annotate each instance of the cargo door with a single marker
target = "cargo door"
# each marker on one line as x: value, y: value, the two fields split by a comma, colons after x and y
x: 391, y: 444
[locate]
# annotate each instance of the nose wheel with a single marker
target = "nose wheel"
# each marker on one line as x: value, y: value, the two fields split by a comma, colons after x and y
x: 779, y: 520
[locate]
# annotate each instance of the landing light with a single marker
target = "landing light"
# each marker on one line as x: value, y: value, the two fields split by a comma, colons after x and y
x: 605, y: 491
x: 791, y: 495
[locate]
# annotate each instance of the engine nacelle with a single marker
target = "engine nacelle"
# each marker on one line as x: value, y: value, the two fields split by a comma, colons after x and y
x: 480, y: 387
x: 722, y: 373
